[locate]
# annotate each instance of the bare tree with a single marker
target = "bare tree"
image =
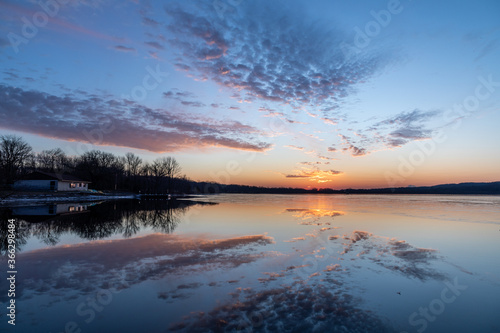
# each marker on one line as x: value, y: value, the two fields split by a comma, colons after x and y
x: 53, y: 160
x: 173, y: 167
x: 14, y: 153
x: 101, y: 168
x: 165, y: 168
x: 173, y: 172
x: 133, y: 164
x: 170, y: 169
x: 158, y: 172
x: 145, y: 172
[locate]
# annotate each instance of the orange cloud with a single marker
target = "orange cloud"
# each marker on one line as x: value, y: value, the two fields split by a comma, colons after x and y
x: 294, y: 147
x: 315, y: 175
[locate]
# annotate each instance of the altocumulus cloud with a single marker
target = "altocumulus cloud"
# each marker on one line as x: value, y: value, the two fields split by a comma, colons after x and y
x: 405, y: 127
x: 75, y: 116
x: 267, y: 51
x: 394, y: 131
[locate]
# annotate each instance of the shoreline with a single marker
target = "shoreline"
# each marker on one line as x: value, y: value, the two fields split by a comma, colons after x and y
x: 30, y: 198
x: 38, y: 198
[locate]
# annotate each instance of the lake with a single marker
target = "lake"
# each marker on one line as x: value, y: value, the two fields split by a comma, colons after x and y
x: 258, y: 263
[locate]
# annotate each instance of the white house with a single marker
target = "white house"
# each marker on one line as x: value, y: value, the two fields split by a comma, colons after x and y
x: 45, y: 181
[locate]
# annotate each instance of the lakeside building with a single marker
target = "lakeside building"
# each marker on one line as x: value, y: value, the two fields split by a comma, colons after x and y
x: 45, y: 181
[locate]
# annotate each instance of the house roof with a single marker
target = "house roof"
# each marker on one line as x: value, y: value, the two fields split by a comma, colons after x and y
x: 40, y: 175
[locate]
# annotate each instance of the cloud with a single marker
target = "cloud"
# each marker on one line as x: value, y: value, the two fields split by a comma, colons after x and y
x: 154, y: 55
x: 160, y: 38
x: 410, y: 118
x: 181, y: 96
x: 314, y: 174
x: 122, y: 48
x: 178, y: 94
x: 103, y: 120
x: 291, y: 121
x: 194, y: 104
x: 149, y: 21
x: 487, y: 49
x: 155, y: 45
x: 405, y: 127
x: 271, y: 112
x: 11, y: 76
x: 294, y: 147
x: 355, y: 151
x: 321, y: 157
x: 349, y: 146
x: 329, y: 121
x: 267, y: 51
x: 394, y: 131
x: 298, y: 176
x: 310, y: 163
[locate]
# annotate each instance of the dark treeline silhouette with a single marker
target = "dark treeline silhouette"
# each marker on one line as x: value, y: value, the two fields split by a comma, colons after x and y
x: 130, y: 173
x: 492, y: 188
x: 103, y: 220
x: 105, y: 170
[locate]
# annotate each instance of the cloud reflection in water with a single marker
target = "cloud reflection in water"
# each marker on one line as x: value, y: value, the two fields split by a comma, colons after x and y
x: 125, y: 262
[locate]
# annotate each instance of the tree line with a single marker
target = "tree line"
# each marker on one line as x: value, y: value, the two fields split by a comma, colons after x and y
x: 105, y: 170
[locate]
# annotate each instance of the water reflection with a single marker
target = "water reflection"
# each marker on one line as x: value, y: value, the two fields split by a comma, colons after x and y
x: 391, y: 254
x: 254, y: 263
x: 313, y: 216
x: 122, y: 263
x: 288, y: 308
x: 92, y: 221
x: 44, y: 212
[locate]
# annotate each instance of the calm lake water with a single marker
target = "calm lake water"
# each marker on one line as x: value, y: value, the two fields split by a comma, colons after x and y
x: 258, y: 263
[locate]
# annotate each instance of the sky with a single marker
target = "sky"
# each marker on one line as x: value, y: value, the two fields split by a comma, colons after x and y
x: 310, y: 94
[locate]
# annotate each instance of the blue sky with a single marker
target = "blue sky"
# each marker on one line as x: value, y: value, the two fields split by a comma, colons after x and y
x: 276, y: 93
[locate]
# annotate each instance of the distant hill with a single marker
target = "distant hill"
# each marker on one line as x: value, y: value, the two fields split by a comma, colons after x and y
x: 461, y: 188
x: 492, y: 188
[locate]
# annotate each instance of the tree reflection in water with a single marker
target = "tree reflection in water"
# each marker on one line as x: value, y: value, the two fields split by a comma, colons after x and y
x: 96, y: 220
